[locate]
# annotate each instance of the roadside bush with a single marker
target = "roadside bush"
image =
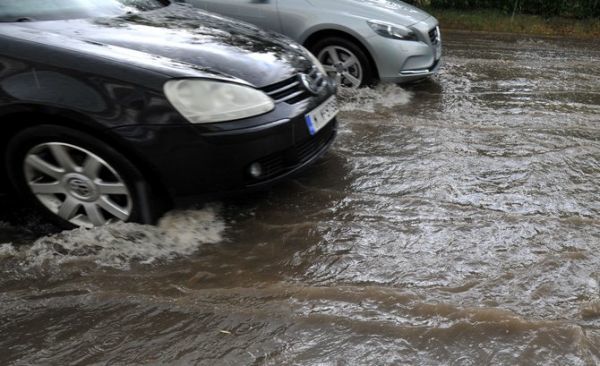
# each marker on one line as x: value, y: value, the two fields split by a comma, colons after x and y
x: 546, y: 8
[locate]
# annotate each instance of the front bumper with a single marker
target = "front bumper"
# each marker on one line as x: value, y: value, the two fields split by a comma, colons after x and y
x: 403, y: 61
x: 194, y: 162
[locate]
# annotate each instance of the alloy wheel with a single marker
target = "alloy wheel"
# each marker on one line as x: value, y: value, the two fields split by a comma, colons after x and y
x: 343, y: 65
x: 76, y: 185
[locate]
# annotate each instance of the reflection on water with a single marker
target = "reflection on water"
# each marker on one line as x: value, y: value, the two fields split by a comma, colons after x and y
x: 455, y: 222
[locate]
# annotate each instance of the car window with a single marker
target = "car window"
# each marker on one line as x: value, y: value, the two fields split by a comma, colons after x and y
x: 32, y: 10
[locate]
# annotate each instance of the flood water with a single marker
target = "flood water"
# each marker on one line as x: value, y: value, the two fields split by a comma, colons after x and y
x: 454, y: 222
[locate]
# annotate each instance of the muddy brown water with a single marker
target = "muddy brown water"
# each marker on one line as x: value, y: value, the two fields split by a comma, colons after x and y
x: 455, y: 222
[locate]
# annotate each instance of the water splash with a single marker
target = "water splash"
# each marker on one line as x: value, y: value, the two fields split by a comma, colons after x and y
x: 370, y: 99
x: 179, y: 233
x: 7, y: 250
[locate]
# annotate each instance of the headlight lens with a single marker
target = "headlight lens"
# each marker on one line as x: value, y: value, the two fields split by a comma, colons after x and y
x: 393, y: 31
x: 209, y: 101
x: 314, y: 60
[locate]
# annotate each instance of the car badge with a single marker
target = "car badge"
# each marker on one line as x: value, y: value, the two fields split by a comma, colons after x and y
x: 314, y: 81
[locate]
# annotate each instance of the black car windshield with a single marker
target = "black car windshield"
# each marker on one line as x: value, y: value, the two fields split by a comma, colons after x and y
x: 33, y: 10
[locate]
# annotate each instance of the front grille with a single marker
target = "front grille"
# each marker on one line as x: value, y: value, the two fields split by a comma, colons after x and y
x: 434, y: 35
x: 289, y: 90
x: 280, y: 162
x: 272, y: 165
x: 307, y: 149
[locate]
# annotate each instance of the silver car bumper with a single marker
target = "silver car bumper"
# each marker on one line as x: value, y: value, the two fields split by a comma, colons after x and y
x: 402, y: 61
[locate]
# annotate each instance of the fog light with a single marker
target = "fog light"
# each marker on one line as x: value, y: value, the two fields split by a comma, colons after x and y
x: 255, y: 170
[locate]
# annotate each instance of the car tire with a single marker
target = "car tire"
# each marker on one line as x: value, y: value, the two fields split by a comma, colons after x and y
x: 78, y: 180
x: 346, y: 61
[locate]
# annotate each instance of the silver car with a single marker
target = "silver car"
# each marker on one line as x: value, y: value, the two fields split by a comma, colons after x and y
x: 358, y: 41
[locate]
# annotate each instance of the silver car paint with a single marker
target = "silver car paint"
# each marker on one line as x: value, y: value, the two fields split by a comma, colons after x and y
x: 396, y: 60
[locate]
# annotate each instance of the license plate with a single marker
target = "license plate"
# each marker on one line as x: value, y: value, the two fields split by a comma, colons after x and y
x: 320, y: 116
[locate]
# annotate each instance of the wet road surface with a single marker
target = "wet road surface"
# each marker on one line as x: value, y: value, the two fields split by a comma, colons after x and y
x: 455, y: 222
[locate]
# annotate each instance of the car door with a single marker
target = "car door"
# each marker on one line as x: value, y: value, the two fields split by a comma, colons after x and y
x: 262, y: 13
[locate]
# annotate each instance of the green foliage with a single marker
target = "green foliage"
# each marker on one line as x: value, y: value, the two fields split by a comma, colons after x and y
x: 545, y: 8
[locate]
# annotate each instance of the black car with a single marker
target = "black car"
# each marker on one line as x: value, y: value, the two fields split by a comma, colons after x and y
x: 112, y: 110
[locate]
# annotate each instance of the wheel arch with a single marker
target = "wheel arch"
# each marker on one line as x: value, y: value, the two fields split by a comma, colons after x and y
x: 24, y: 117
x: 314, y: 35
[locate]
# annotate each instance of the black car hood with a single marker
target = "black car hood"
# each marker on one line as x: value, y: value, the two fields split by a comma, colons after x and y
x: 191, y: 37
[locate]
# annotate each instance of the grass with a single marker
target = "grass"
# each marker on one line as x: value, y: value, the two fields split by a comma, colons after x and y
x: 496, y: 21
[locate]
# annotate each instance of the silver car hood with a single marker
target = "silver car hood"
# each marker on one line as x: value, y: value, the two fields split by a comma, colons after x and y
x: 392, y: 11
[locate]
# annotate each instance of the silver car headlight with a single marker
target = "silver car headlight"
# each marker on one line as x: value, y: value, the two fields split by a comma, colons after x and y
x: 393, y: 31
x: 209, y: 101
x: 312, y: 58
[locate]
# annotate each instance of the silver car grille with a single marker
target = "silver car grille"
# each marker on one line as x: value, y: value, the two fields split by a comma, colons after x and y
x: 434, y: 35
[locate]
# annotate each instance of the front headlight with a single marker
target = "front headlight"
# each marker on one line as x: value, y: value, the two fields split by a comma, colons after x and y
x: 393, y: 31
x: 314, y: 60
x: 209, y: 101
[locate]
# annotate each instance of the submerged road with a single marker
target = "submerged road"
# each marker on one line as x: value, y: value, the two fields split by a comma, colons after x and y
x: 455, y: 222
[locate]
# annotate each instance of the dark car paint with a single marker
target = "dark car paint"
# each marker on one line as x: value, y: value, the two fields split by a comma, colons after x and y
x: 194, y: 38
x: 107, y: 75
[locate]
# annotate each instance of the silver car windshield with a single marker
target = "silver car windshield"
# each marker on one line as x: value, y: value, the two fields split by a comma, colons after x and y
x: 36, y: 10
